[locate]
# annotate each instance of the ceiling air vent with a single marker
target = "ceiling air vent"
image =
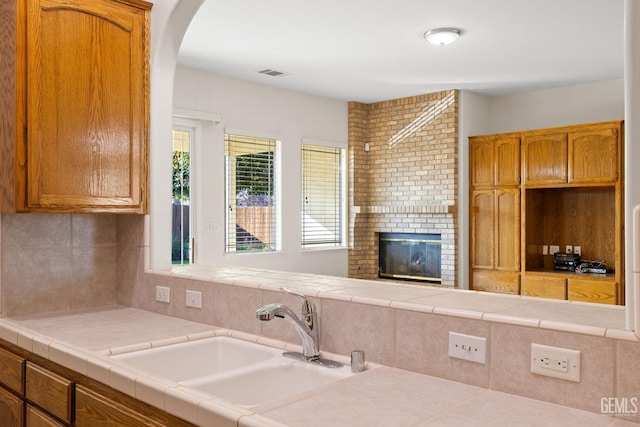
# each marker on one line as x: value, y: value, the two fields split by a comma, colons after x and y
x: 272, y: 73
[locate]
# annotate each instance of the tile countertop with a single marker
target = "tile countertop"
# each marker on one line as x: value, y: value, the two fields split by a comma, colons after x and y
x: 82, y: 341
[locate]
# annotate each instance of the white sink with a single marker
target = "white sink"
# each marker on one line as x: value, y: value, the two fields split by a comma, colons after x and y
x: 195, y: 359
x: 241, y: 372
x: 269, y: 381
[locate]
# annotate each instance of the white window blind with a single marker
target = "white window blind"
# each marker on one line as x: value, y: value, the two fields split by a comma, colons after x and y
x: 322, y: 196
x: 250, y: 194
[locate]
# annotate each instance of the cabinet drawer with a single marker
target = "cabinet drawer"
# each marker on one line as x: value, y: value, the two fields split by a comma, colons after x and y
x: 491, y: 281
x: 50, y: 391
x: 544, y: 286
x: 601, y: 291
x: 12, y: 371
x: 95, y: 410
x: 37, y: 418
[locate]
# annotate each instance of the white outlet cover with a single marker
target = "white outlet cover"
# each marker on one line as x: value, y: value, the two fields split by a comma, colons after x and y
x: 468, y: 347
x: 546, y: 359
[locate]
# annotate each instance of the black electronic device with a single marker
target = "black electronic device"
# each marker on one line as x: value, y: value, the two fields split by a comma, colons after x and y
x: 565, y: 262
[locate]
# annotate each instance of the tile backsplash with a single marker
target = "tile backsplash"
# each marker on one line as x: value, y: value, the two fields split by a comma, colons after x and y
x: 54, y: 262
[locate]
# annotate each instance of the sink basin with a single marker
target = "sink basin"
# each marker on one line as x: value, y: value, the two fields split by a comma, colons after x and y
x: 195, y: 359
x: 241, y: 372
x: 269, y: 381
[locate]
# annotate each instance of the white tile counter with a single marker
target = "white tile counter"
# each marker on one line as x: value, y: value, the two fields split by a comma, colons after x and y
x: 378, y: 397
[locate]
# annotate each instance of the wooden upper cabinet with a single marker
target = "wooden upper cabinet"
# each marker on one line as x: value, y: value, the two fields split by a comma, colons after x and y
x: 495, y: 161
x: 507, y: 151
x: 80, y: 117
x: 583, y: 154
x: 481, y: 154
x: 593, y: 155
x: 545, y: 158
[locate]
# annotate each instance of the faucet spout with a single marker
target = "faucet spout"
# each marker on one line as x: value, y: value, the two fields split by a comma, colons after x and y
x: 306, y: 328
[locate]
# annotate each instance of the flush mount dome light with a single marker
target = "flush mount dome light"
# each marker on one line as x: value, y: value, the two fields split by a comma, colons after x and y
x: 442, y: 36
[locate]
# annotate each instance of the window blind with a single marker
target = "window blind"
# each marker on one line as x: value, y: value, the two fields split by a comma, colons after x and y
x: 322, y: 198
x: 250, y: 192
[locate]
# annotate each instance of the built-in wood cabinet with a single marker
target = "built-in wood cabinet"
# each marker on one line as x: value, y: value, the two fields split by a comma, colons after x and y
x: 495, y: 211
x: 74, y: 118
x: 571, y: 194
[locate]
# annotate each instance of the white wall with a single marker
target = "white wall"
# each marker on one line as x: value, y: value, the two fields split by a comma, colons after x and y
x: 587, y: 103
x: 268, y: 111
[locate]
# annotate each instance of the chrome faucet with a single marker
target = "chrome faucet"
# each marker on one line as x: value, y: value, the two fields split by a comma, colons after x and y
x: 306, y: 326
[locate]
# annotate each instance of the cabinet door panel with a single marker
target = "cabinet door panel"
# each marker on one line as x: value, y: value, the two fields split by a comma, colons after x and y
x: 86, y: 112
x: 11, y: 410
x: 481, y: 161
x: 37, y: 418
x: 482, y: 229
x: 601, y: 291
x: 544, y: 286
x: 496, y: 281
x: 507, y: 229
x: 545, y: 158
x: 507, y: 161
x: 593, y: 156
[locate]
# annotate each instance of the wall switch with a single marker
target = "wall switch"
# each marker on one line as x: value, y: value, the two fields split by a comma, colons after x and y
x: 468, y: 347
x: 545, y: 250
x: 194, y: 299
x: 554, y: 249
x: 555, y: 362
x: 577, y: 250
x: 568, y: 249
x: 162, y: 294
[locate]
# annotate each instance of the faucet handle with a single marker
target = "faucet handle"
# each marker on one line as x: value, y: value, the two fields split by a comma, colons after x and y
x: 308, y: 308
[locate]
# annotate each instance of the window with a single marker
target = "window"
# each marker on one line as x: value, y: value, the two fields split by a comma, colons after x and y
x: 323, y: 192
x: 251, y: 178
x: 181, y: 214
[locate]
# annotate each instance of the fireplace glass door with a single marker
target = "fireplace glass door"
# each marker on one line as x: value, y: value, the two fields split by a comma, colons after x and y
x: 410, y: 256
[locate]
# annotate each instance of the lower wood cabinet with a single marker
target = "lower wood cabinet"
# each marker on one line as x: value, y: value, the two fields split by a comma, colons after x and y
x: 602, y: 291
x: 11, y: 409
x: 496, y: 281
x: 544, y: 286
x: 38, y: 418
x: 95, y: 410
x: 50, y: 391
x: 35, y: 392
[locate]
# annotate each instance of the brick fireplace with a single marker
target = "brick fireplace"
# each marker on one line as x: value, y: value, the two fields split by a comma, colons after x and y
x: 403, y: 176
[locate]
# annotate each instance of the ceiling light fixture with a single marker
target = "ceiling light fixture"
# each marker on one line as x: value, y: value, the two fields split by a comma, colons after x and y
x: 442, y: 36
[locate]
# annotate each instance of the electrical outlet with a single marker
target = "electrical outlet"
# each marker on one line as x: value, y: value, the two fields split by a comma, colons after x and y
x: 577, y: 250
x: 162, y: 294
x: 568, y: 249
x: 194, y: 299
x: 468, y: 347
x: 555, y: 362
x: 554, y: 249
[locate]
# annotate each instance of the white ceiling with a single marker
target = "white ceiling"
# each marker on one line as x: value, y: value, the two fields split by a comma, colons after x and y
x: 374, y: 50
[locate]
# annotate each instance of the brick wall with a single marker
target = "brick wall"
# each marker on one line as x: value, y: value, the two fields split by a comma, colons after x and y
x: 407, y: 180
